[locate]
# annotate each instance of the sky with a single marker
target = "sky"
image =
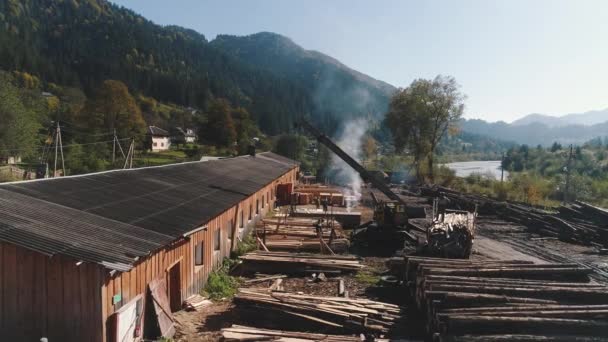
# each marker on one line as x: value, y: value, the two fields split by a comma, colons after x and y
x: 511, y: 57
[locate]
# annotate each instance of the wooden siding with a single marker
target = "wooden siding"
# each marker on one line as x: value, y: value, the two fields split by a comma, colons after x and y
x: 48, y: 297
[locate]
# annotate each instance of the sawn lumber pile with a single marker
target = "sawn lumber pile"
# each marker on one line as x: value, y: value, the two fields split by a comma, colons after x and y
x: 298, y: 263
x: 578, y: 222
x: 243, y: 333
x: 468, y: 300
x: 300, y: 235
x: 332, y: 313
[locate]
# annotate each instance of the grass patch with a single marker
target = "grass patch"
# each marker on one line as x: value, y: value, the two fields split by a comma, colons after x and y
x: 367, y: 278
x: 220, y: 284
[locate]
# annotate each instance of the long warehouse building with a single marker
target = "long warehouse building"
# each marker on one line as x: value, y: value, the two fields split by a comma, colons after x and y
x: 80, y: 256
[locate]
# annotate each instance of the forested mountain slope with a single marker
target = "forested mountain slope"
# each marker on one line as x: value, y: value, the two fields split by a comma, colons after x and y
x: 335, y: 89
x: 80, y: 43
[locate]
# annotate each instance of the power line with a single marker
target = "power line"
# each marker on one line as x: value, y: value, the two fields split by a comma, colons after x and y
x: 69, y: 145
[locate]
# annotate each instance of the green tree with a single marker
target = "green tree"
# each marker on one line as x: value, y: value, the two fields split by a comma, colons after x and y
x: 218, y: 129
x: 113, y: 107
x: 245, y: 129
x: 291, y: 146
x: 421, y: 114
x: 19, y: 121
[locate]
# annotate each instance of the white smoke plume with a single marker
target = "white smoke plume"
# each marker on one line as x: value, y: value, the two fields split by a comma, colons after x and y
x: 350, y: 140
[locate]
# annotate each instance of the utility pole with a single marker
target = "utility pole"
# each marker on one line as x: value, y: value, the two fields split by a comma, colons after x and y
x: 56, y: 149
x: 129, y: 157
x: 132, y: 152
x: 61, y: 150
x: 566, y: 191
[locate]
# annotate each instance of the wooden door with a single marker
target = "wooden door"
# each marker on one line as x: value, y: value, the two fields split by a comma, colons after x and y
x: 174, y: 288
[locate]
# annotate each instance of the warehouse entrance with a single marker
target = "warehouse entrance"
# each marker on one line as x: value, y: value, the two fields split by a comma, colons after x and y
x: 174, y: 287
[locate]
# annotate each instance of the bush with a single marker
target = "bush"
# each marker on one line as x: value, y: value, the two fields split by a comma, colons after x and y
x: 221, y: 285
x: 246, y: 245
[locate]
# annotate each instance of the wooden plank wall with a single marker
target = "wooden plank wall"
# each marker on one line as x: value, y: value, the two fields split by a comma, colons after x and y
x: 48, y: 297
x: 193, y: 279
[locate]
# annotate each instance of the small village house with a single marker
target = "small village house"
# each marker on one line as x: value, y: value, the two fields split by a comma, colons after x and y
x: 82, y: 258
x: 184, y: 136
x: 158, y: 139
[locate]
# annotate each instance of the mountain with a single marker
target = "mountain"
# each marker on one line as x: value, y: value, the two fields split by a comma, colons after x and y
x: 587, y: 119
x: 81, y: 43
x: 336, y: 90
x: 535, y: 133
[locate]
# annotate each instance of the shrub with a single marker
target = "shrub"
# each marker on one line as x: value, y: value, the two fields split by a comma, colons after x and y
x: 221, y: 285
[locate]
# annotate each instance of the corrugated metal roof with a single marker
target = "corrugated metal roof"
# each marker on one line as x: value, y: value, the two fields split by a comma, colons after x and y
x: 116, y: 216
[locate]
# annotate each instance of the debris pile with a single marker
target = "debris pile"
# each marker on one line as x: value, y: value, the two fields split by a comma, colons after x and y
x: 298, y: 263
x: 346, y: 314
x: 503, y: 300
x: 243, y: 333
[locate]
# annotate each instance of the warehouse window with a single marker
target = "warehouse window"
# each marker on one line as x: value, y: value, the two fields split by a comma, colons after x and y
x: 263, y: 202
x: 198, y: 254
x: 267, y: 197
x: 217, y: 239
x: 242, y: 218
x: 230, y: 230
x: 257, y: 206
x: 250, y: 211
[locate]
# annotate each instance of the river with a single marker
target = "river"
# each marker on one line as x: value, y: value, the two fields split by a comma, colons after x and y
x: 484, y: 167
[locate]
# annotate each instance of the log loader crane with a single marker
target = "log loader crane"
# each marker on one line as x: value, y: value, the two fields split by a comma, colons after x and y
x: 388, y: 230
x: 450, y: 235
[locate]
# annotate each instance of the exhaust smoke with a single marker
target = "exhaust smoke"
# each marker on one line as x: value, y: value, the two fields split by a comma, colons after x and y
x: 350, y: 140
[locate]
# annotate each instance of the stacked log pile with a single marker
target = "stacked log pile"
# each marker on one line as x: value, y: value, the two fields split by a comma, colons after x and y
x: 242, y: 333
x: 468, y: 300
x: 298, y: 263
x: 300, y: 235
x: 333, y: 313
x: 578, y: 222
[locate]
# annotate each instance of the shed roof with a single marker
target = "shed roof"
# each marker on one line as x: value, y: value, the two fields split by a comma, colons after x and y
x: 114, y: 217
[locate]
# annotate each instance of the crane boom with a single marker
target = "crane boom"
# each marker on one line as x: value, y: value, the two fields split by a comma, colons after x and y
x: 365, y: 175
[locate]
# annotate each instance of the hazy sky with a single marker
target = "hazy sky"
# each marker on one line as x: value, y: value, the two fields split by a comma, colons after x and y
x: 511, y: 57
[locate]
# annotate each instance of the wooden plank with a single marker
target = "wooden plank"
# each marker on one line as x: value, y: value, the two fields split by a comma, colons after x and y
x: 26, y: 285
x: 103, y: 291
x: 160, y: 301
x: 118, y: 291
x: 96, y: 281
x: 86, y: 306
x: 39, y: 293
x: 71, y: 298
x: 126, y: 287
x: 9, y: 285
x: 55, y: 305
x: 109, y: 295
x: 133, y: 283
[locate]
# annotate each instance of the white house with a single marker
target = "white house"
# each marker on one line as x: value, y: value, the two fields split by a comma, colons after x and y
x: 158, y: 139
x: 184, y: 136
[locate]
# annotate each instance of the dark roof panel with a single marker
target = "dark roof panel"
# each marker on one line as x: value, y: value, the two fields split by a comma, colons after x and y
x: 104, y: 217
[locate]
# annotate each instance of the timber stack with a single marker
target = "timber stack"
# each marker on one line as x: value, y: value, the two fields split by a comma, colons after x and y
x: 300, y: 235
x: 298, y: 263
x: 468, y: 300
x: 578, y: 222
x: 243, y: 333
x: 328, y: 313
